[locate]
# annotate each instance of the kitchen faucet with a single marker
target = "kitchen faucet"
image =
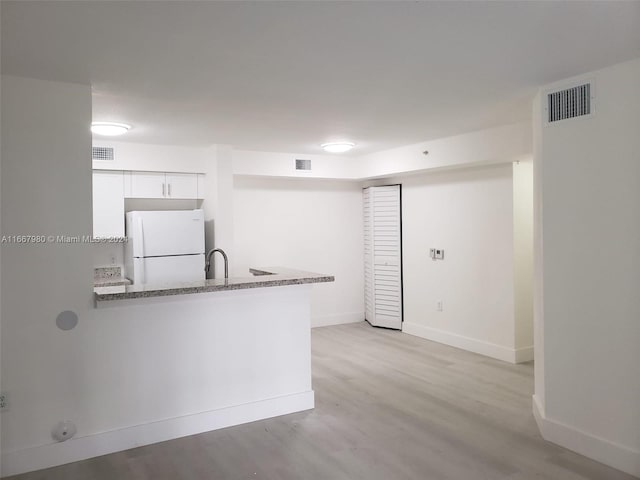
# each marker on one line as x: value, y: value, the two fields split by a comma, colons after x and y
x: 207, y: 264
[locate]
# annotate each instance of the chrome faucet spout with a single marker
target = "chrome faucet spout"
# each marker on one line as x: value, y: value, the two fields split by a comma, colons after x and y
x: 207, y: 264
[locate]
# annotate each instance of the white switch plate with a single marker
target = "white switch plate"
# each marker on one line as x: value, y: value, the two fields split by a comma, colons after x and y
x: 436, y: 253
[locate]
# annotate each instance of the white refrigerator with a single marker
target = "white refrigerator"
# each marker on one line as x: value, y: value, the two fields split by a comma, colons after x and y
x: 164, y: 246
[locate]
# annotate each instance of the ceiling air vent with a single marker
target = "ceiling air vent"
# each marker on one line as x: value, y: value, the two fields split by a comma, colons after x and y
x: 303, y: 164
x: 102, y: 153
x: 570, y: 103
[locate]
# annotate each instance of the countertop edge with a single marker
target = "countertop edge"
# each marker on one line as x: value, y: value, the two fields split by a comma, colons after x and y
x: 265, y: 277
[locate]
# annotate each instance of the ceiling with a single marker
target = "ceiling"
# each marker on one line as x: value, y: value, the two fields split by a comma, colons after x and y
x: 287, y: 76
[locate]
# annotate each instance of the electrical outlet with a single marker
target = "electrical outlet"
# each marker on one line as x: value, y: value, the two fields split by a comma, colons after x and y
x: 439, y: 306
x: 4, y: 402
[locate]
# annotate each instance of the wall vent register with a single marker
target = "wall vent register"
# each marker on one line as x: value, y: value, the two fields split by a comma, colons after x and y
x: 303, y: 164
x: 102, y: 153
x: 569, y: 103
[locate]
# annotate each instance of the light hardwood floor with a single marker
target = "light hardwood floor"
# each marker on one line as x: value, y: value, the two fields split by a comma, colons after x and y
x: 389, y: 406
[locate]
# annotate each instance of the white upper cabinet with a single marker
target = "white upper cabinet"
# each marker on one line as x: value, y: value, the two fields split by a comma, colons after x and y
x: 111, y: 187
x: 108, y: 203
x: 200, y: 185
x: 146, y: 185
x: 182, y: 185
x: 161, y: 185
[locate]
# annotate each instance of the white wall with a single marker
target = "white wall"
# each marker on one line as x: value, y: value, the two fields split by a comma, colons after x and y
x: 280, y: 164
x: 219, y: 209
x: 469, y: 214
x: 159, y: 158
x: 523, y: 257
x: 503, y: 144
x: 1, y: 388
x: 590, y: 192
x: 46, y: 190
x: 309, y: 225
x: 261, y: 194
x: 538, y: 255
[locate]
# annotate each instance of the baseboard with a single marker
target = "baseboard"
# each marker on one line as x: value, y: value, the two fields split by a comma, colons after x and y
x: 338, y: 319
x: 467, y: 343
x: 524, y: 354
x: 591, y: 446
x: 81, y: 448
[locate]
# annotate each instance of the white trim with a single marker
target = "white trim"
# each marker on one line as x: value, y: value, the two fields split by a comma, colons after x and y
x: 524, y: 354
x: 81, y: 448
x: 337, y: 319
x: 599, y: 449
x: 474, y: 345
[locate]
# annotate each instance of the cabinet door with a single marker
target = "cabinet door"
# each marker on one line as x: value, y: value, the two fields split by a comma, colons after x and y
x: 200, y: 185
x: 182, y: 185
x: 148, y: 185
x: 108, y: 204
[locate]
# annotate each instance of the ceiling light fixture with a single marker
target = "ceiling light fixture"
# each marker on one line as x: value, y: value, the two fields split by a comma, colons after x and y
x: 338, y: 147
x: 109, y: 129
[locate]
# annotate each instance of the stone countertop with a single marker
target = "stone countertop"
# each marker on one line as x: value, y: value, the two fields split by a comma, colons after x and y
x: 263, y: 277
x: 111, y: 282
x: 109, y: 276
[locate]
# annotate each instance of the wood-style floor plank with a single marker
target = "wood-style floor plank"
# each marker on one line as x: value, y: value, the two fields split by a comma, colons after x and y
x: 389, y: 406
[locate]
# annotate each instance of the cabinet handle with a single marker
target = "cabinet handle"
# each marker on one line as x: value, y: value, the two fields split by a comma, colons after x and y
x: 169, y: 187
x: 163, y: 190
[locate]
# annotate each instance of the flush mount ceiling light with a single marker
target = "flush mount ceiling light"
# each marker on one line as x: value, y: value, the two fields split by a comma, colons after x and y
x: 338, y: 147
x: 109, y: 129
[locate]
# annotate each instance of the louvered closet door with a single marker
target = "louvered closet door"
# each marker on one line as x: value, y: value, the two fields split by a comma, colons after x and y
x: 383, y: 262
x: 368, y: 255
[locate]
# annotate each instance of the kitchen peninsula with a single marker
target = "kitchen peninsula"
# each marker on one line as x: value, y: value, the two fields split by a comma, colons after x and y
x: 199, y: 356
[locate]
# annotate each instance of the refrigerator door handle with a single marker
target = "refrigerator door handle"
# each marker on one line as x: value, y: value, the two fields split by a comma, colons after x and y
x: 140, y: 237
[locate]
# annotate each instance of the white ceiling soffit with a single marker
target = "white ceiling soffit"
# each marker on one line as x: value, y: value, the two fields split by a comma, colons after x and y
x: 288, y: 76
